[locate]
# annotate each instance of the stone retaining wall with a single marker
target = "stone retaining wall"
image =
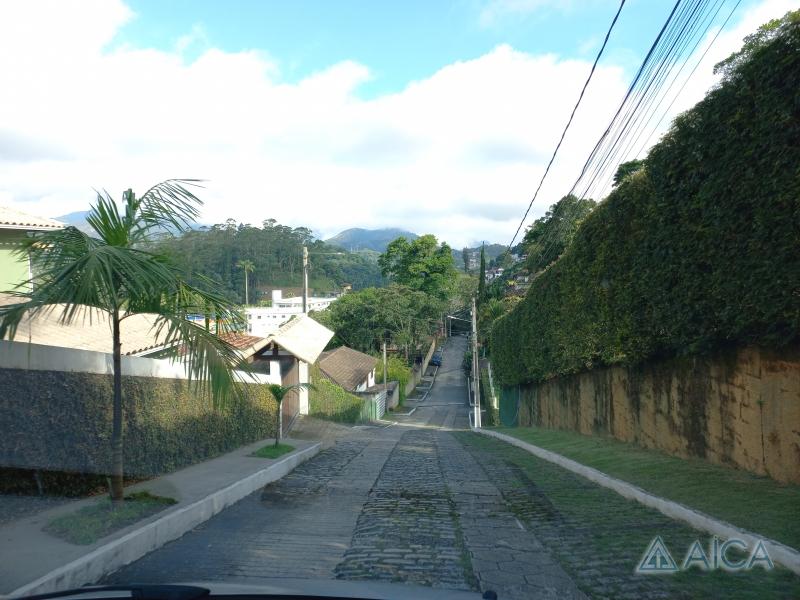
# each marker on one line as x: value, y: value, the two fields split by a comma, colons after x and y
x: 740, y: 408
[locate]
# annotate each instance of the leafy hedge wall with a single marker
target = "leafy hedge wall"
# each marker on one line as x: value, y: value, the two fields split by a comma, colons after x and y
x: 62, y: 421
x: 699, y: 250
x: 329, y: 401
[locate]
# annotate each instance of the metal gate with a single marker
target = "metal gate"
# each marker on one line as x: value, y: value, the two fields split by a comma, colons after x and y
x: 509, y: 406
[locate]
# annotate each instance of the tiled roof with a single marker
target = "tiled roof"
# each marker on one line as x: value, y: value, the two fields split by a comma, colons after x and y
x: 346, y: 367
x: 240, y: 341
x: 14, y: 219
x: 246, y: 345
x: 90, y: 329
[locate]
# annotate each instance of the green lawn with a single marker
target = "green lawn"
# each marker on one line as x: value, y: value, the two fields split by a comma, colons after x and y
x: 89, y: 524
x: 273, y: 451
x: 758, y: 504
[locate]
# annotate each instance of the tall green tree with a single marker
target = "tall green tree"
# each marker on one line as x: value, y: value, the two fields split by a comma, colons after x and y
x: 110, y: 272
x: 465, y: 258
x: 397, y: 314
x: 421, y: 265
x: 482, y: 277
x: 248, y: 267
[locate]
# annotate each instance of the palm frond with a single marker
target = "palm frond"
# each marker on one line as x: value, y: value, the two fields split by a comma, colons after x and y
x: 279, y: 392
x: 110, y: 226
x: 170, y: 206
x: 208, y: 358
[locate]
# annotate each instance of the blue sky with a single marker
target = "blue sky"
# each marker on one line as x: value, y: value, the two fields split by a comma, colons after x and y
x: 437, y: 117
x: 399, y: 41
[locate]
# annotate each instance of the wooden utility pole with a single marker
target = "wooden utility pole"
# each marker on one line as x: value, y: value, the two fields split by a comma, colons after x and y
x: 305, y: 280
x: 475, y: 375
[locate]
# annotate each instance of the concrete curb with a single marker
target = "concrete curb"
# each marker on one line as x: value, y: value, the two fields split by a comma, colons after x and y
x: 132, y: 546
x: 779, y: 553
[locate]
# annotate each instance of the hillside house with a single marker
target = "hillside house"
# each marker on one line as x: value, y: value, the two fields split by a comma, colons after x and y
x: 15, y: 227
x: 350, y: 369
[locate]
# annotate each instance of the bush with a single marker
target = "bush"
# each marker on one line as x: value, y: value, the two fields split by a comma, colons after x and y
x: 396, y: 370
x: 696, y: 251
x: 329, y: 401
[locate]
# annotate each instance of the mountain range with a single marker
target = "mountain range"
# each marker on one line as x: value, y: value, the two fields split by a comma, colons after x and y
x: 356, y: 239
x: 368, y: 239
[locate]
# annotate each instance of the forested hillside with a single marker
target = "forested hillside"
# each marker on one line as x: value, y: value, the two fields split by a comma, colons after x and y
x: 698, y: 248
x: 275, y: 252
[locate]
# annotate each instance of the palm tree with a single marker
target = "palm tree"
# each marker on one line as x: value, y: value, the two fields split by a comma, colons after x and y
x: 113, y: 272
x: 279, y: 393
x: 248, y: 267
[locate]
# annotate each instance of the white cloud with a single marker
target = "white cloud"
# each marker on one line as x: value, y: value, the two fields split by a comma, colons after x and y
x: 456, y: 154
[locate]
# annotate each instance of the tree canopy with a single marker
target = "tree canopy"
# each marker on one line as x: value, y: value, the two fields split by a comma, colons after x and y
x: 397, y: 314
x: 275, y: 253
x: 421, y: 265
x: 547, y: 238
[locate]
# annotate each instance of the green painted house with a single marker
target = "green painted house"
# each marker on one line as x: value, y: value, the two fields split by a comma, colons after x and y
x: 15, y: 226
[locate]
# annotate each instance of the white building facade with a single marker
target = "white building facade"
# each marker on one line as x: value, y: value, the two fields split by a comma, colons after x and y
x: 263, y: 321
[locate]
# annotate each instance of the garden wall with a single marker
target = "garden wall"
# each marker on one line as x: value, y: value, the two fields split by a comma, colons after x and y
x: 60, y: 419
x: 739, y: 408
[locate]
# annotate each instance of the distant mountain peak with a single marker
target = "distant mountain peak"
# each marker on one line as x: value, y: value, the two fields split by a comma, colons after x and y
x: 358, y: 238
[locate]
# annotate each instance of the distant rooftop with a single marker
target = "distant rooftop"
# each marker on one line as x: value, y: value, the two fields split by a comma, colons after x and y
x: 14, y: 219
x: 346, y: 367
x: 89, y: 330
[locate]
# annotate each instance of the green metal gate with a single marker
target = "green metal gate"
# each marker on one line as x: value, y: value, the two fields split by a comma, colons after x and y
x: 509, y: 406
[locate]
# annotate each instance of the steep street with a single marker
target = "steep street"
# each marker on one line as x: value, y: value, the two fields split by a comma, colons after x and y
x: 403, y: 503
x: 424, y: 501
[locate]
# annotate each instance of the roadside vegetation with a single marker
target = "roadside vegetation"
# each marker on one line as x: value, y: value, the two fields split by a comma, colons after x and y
x: 758, y: 504
x: 331, y: 402
x: 109, y: 271
x: 397, y: 370
x: 273, y: 450
x: 91, y: 523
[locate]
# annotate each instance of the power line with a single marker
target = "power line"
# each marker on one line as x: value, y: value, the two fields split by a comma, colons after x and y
x: 697, y: 64
x: 569, y: 122
x: 680, y: 34
x: 643, y: 68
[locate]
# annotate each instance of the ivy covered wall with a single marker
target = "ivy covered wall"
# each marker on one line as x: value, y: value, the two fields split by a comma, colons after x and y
x: 61, y: 421
x: 698, y: 251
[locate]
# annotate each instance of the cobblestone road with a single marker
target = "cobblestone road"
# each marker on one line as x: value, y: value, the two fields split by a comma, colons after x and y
x: 426, y: 502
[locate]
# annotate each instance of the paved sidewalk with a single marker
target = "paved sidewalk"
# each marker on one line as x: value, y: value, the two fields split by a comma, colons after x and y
x: 29, y: 553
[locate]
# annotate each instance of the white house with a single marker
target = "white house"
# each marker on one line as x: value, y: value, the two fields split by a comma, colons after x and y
x: 263, y: 321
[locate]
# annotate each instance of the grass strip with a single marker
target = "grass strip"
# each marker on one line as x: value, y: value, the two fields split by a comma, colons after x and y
x: 756, y: 503
x: 90, y: 523
x: 273, y: 451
